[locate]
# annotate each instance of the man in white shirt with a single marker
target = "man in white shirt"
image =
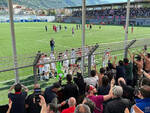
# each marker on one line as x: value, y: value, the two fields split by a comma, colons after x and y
x: 93, y: 80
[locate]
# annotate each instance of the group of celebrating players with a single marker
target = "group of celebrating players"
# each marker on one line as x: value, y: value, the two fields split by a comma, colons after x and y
x: 62, y: 64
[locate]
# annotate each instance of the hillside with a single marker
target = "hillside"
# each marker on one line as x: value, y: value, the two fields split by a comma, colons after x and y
x: 44, y: 4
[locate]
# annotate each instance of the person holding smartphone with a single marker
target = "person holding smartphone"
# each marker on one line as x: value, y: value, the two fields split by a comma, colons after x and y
x: 32, y: 104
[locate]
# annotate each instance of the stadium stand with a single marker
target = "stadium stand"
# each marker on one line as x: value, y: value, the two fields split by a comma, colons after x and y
x: 121, y: 12
x: 112, y: 14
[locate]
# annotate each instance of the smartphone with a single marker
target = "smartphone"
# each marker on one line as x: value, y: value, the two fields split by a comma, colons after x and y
x: 37, y: 92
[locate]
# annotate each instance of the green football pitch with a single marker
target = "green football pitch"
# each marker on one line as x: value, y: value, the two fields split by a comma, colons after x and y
x: 32, y: 37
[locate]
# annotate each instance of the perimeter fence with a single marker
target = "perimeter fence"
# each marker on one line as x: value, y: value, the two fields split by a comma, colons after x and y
x: 27, y: 64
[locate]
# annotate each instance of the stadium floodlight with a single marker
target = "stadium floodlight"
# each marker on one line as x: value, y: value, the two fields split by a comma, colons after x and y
x: 11, y: 20
x: 126, y: 28
x: 83, y: 34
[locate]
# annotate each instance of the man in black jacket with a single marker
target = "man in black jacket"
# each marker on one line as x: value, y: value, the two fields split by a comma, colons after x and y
x: 31, y: 105
x: 117, y: 104
x: 70, y: 89
x: 50, y: 93
x: 52, y: 44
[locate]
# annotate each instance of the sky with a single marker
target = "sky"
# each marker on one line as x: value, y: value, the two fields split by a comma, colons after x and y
x: 115, y: 1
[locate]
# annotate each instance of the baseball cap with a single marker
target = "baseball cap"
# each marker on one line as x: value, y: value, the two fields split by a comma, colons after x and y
x: 91, y: 87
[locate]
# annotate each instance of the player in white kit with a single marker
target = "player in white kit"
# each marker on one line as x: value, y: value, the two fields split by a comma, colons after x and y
x: 73, y: 55
x: 52, y: 65
x: 41, y: 67
x: 106, y: 57
x: 66, y: 62
x: 46, y: 67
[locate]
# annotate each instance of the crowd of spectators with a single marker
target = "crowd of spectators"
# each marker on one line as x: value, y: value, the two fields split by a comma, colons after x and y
x: 134, y: 12
x: 121, y: 87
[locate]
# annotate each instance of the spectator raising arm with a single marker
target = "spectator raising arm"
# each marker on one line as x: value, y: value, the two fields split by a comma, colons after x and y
x: 132, y: 59
x: 11, y: 88
x: 137, y: 110
x: 145, y: 74
x: 131, y: 56
x: 126, y: 110
x: 25, y: 88
x: 109, y: 96
x: 145, y: 57
x: 114, y: 62
x: 9, y: 106
x: 43, y: 104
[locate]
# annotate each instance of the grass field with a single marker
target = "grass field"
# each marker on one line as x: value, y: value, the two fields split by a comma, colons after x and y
x: 31, y: 37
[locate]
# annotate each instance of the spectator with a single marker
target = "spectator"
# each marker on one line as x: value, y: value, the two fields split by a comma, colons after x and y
x: 147, y: 62
x: 98, y: 100
x: 70, y: 89
x: 50, y: 93
x: 100, y: 76
x: 143, y: 103
x: 145, y: 74
x: 138, y: 62
x: 120, y: 69
x: 117, y: 104
x: 72, y: 104
x: 52, y: 108
x: 111, y: 72
x: 82, y: 108
x: 89, y: 103
x: 139, y: 65
x: 145, y: 81
x: 31, y: 105
x: 119, y: 13
x: 93, y: 80
x: 128, y: 91
x: 104, y: 89
x: 80, y: 83
x: 18, y: 98
x: 128, y: 71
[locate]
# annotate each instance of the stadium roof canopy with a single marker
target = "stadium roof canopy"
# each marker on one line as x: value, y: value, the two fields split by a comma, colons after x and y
x: 110, y: 4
